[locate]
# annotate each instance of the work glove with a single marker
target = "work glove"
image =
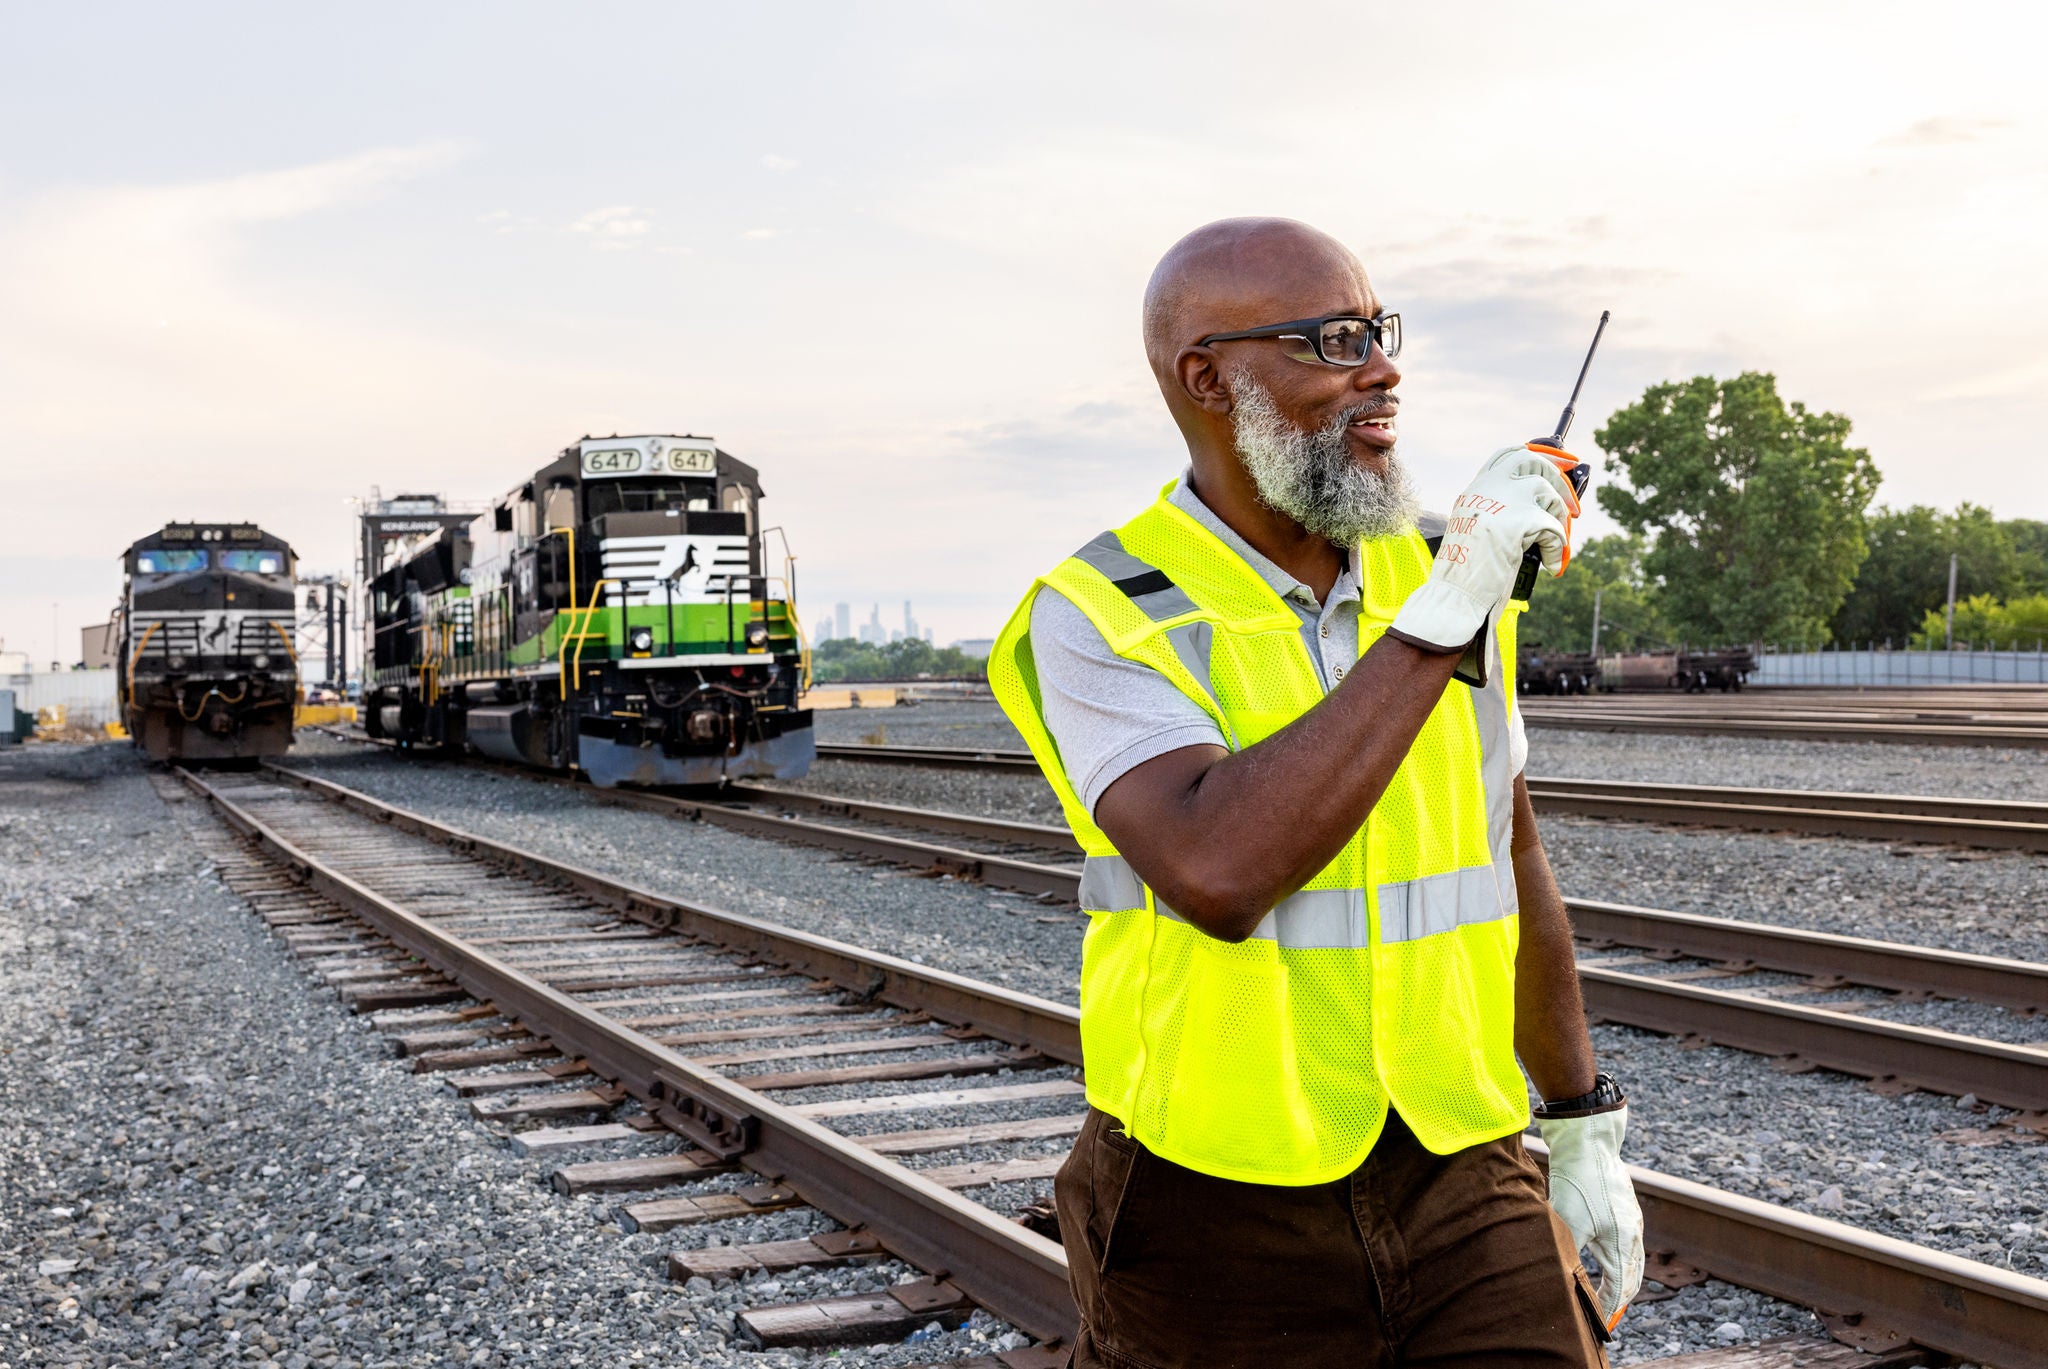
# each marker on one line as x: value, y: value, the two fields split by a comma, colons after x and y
x: 1519, y: 499
x: 1590, y: 1189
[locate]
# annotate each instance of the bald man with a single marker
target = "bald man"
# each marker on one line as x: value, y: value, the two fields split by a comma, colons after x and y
x: 1324, y: 941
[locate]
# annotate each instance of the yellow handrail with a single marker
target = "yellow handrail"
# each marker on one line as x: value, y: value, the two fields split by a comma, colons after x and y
x: 140, y: 647
x: 583, y: 632
x: 568, y: 533
x: 290, y: 650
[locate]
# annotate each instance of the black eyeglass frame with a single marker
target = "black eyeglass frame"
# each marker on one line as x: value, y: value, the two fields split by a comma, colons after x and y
x: 1310, y: 330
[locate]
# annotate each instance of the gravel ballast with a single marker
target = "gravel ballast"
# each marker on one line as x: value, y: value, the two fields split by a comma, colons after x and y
x: 1684, y: 1126
x: 988, y: 934
x: 1948, y: 1176
x: 1563, y: 753
x: 205, y: 1159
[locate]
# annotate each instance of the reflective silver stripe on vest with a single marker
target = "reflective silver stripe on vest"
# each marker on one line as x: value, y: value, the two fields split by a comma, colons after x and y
x: 1312, y: 920
x: 1329, y: 919
x: 1490, y: 710
x: 1110, y: 885
x: 1440, y: 903
x: 1156, y: 596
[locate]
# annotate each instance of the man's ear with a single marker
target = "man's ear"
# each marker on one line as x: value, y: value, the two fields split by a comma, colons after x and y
x: 1202, y: 378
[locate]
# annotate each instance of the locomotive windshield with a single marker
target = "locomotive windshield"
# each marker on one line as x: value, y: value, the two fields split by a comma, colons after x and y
x: 170, y: 562
x: 645, y: 496
x: 252, y: 562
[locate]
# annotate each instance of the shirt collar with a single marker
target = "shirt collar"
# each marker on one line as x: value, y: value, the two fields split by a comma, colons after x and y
x: 1183, y: 497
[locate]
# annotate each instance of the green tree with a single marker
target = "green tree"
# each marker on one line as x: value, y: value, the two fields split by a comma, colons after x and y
x: 1560, y: 615
x: 1755, y: 507
x: 2030, y: 544
x: 842, y: 659
x: 1907, y: 571
x: 1981, y: 619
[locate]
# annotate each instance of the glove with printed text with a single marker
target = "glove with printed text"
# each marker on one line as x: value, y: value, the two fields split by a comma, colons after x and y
x: 1519, y: 499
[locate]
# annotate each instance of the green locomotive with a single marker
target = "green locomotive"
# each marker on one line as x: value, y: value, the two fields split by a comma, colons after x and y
x: 610, y: 614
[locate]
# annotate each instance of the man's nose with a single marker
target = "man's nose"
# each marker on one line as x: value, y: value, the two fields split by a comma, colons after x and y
x: 1378, y: 373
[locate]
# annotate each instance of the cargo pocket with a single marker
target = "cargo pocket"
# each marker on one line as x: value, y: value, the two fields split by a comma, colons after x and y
x: 1585, y: 1296
x: 1237, y: 1109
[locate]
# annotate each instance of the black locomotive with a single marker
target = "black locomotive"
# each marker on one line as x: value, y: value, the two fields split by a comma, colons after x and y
x: 207, y: 668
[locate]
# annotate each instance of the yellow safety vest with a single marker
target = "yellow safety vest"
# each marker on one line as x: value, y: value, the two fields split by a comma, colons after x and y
x: 1390, y: 977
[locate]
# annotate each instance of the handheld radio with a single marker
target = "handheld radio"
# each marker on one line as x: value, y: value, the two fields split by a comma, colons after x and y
x: 1575, y: 470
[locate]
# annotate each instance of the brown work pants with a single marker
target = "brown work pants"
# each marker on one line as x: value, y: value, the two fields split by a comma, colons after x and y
x: 1414, y: 1259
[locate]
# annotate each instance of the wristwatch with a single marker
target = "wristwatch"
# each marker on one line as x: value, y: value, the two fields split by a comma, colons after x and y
x: 1605, y: 1097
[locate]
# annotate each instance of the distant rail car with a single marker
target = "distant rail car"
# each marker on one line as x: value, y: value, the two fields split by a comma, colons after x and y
x: 1695, y: 672
x: 1557, y: 672
x: 207, y: 670
x: 610, y: 614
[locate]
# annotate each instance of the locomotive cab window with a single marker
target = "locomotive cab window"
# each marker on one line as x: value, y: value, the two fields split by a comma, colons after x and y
x: 253, y: 562
x: 561, y: 507
x: 645, y: 496
x: 736, y: 501
x: 169, y: 562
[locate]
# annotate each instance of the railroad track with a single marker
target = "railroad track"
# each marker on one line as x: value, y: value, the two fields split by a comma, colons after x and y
x: 1987, y: 823
x: 1730, y: 982
x: 721, y: 1030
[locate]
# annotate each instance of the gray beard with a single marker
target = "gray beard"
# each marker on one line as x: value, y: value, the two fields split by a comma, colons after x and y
x: 1311, y: 478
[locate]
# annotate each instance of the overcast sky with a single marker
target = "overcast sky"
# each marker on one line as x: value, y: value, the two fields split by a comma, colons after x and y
x: 255, y: 260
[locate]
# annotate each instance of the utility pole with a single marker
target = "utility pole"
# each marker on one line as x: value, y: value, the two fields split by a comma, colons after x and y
x: 330, y: 635
x: 1596, y: 625
x: 1948, y: 616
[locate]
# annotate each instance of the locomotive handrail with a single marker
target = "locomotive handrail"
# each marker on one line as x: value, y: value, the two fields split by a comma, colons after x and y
x: 290, y: 650
x: 134, y: 660
x: 583, y: 632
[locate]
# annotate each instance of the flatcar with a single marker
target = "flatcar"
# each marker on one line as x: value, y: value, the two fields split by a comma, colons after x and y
x: 610, y: 614
x: 207, y: 670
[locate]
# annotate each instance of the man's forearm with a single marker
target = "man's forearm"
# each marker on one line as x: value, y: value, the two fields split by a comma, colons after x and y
x: 1223, y: 837
x: 1550, y: 1014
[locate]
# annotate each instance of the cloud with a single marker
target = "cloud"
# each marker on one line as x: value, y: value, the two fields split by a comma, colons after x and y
x: 614, y: 227
x: 151, y: 333
x: 1944, y: 132
x: 775, y: 163
x: 758, y: 234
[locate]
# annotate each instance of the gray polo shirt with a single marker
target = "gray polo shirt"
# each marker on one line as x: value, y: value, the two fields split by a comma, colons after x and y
x: 1111, y: 715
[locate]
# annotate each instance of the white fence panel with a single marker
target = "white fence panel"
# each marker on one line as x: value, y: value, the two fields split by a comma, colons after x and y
x: 1962, y: 666
x: 86, y: 696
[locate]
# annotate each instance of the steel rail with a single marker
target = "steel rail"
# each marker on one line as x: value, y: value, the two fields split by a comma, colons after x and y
x: 943, y: 757
x: 1887, y: 1286
x: 1859, y: 960
x: 1917, y: 734
x: 2009, y: 811
x: 1015, y: 1273
x: 1754, y: 811
x: 1005, y: 871
x: 1990, y: 823
x: 1018, y: 1018
x: 1918, y: 1057
x: 1864, y: 961
x: 1942, y: 1302
x: 1045, y: 836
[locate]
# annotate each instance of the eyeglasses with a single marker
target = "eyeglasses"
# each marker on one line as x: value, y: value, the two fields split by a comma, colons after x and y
x: 1335, y: 340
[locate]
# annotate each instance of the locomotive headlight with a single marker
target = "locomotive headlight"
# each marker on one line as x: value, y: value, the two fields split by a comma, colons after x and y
x: 640, y: 641
x: 260, y: 661
x: 177, y: 662
x: 757, y: 636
